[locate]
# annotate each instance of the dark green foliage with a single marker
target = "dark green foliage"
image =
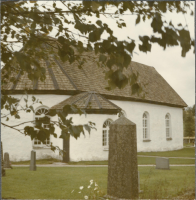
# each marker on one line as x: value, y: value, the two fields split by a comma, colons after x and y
x: 30, y: 26
x: 189, y: 121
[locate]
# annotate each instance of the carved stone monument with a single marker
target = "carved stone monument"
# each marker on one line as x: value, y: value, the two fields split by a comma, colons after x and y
x: 122, y: 161
x: 33, y: 161
x: 162, y: 163
x: 6, y: 160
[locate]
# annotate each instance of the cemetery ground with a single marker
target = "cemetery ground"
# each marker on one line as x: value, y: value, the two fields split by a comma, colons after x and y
x: 65, y: 182
x: 182, y: 156
x: 59, y: 182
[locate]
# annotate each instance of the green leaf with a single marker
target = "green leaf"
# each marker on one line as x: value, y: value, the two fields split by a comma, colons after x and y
x: 95, y: 35
x: 94, y: 6
x: 185, y: 41
x: 102, y: 58
x: 31, y: 107
x: 137, y: 20
x: 99, y: 23
x: 157, y: 23
x: 135, y: 88
x: 146, y: 46
x: 88, y: 128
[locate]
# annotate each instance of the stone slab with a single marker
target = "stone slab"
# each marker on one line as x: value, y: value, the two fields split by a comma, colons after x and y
x: 162, y: 163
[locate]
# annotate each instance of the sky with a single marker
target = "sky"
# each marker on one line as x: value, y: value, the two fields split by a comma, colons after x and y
x: 178, y: 71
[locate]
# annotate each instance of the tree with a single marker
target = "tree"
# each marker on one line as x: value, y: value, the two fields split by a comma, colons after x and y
x: 189, y: 121
x: 31, y: 24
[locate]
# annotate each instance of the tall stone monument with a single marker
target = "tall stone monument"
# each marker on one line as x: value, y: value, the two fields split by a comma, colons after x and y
x: 33, y: 161
x: 122, y: 162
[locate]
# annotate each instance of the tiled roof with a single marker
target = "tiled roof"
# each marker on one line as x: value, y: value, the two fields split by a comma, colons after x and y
x: 91, y: 102
x: 65, y: 78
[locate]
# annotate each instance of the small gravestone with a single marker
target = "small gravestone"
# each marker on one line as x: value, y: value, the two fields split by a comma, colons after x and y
x: 33, y: 161
x: 162, y: 163
x: 2, y: 167
x: 122, y: 162
x: 6, y: 160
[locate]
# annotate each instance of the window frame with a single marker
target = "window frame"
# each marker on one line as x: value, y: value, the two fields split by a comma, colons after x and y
x: 168, y: 127
x: 106, y: 134
x: 41, y: 145
x: 146, y: 127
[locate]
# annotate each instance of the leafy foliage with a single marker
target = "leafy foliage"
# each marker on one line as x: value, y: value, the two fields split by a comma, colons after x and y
x: 189, y: 121
x: 29, y: 23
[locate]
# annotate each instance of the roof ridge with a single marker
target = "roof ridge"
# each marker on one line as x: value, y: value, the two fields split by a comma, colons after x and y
x: 66, y: 74
x: 109, y: 101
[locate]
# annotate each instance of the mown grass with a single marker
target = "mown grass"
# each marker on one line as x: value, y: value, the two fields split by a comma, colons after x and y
x: 39, y: 162
x: 185, y: 152
x: 58, y: 183
x: 141, y: 161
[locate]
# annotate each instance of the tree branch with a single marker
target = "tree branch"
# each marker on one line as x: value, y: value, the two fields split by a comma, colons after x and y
x: 11, y: 127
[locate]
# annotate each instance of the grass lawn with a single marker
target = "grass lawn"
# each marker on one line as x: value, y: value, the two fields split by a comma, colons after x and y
x: 141, y: 161
x: 39, y: 162
x: 58, y: 183
x: 185, y: 152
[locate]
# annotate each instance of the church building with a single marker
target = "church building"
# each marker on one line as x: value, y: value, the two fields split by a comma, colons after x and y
x: 157, y: 112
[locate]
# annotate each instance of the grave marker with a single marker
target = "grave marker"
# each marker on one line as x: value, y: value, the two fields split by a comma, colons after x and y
x: 162, y: 163
x: 122, y: 162
x: 33, y: 161
x: 6, y: 160
x: 2, y: 167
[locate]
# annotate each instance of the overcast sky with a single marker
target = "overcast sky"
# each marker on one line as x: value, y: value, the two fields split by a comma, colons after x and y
x: 178, y: 71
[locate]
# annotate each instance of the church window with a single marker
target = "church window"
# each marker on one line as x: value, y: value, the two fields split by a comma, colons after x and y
x: 168, y: 125
x: 105, y: 136
x: 146, y: 130
x: 44, y: 120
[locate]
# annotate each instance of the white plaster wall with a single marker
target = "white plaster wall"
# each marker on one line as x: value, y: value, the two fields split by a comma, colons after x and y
x: 135, y: 110
x: 19, y: 146
x: 89, y: 147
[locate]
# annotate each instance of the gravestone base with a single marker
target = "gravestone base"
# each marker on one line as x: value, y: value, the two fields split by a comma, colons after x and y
x: 162, y: 163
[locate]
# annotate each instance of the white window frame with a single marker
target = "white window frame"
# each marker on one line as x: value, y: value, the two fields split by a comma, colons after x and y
x: 105, y: 133
x: 146, y: 126
x: 41, y: 145
x: 168, y: 130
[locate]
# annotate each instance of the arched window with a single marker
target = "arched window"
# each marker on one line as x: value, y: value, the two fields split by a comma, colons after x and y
x: 42, y: 119
x: 168, y: 125
x: 146, y: 130
x: 105, y: 136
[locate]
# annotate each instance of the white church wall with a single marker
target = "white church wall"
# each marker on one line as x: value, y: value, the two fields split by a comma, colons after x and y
x: 89, y: 147
x: 19, y: 146
x: 135, y: 111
